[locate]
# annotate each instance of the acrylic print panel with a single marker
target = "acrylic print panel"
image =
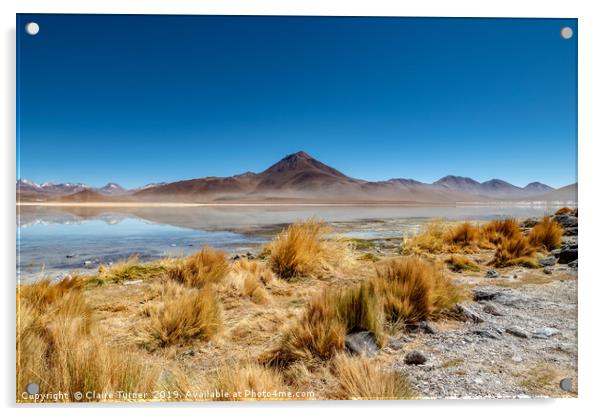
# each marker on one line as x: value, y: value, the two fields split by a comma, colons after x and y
x: 295, y: 208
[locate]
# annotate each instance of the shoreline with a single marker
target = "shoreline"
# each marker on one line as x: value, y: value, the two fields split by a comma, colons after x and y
x: 290, y: 204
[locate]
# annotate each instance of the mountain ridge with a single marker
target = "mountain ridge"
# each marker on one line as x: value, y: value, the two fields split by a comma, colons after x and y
x: 297, y: 176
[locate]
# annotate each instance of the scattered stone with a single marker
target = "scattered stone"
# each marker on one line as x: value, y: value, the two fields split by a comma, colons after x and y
x: 517, y: 332
x: 427, y: 327
x: 573, y: 264
x: 235, y: 257
x: 547, y: 261
x: 250, y: 255
x: 362, y: 342
x: 414, y: 358
x: 566, y: 220
x: 484, y: 294
x: 545, y: 332
x: 478, y: 380
x: 395, y: 343
x: 567, y: 255
x: 548, y: 270
x: 486, y: 333
x: 70, y: 256
x: 571, y: 231
x: 517, y: 358
x: 492, y: 310
x: 529, y: 223
x: 467, y: 314
x: 492, y: 274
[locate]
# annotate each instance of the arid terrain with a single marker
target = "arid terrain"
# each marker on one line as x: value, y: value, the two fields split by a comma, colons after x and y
x: 460, y: 309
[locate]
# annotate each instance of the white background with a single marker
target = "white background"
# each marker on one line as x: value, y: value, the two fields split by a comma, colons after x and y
x: 590, y: 136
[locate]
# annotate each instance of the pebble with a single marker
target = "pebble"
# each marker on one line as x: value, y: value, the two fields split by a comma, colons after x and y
x: 415, y: 358
x: 517, y: 332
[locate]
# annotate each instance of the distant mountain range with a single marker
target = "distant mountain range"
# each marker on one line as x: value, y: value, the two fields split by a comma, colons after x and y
x: 299, y: 178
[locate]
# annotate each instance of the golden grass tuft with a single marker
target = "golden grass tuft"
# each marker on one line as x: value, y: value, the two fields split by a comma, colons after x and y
x: 249, y: 279
x: 130, y: 269
x: 431, y: 240
x: 516, y: 251
x: 320, y: 332
x: 60, y: 348
x: 413, y: 290
x: 252, y: 380
x: 458, y: 263
x: 206, y: 266
x: 303, y: 250
x: 495, y: 232
x: 464, y: 236
x: 183, y: 314
x: 565, y: 210
x: 362, y: 378
x: 546, y: 234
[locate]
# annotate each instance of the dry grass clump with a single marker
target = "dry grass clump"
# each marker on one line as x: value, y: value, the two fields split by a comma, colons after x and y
x: 252, y: 381
x: 201, y: 268
x: 362, y: 378
x: 458, y: 263
x: 431, y: 240
x: 329, y: 317
x: 303, y: 250
x: 249, y: 278
x: 494, y: 232
x: 60, y: 348
x: 130, y: 269
x: 516, y: 251
x: 464, y: 236
x: 413, y: 290
x: 565, y: 210
x: 182, y: 315
x: 546, y: 234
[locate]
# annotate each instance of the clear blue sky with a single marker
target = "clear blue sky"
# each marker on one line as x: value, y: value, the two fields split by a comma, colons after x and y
x: 139, y: 99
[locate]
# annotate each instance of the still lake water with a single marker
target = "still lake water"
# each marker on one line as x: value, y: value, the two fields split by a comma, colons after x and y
x: 54, y: 241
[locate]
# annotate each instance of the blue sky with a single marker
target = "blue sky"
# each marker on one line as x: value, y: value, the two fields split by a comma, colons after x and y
x: 139, y: 99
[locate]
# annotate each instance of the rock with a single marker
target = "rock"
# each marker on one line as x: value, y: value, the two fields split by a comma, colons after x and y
x: 566, y: 220
x: 547, y: 261
x: 235, y: 257
x: 492, y: 310
x: 492, y: 274
x: 486, y: 333
x: 571, y: 231
x: 250, y: 255
x: 548, y: 270
x: 484, y: 294
x: 573, y: 264
x: 467, y: 314
x: 517, y: 332
x: 555, y: 252
x: 517, y: 358
x: 362, y: 342
x: 427, y: 327
x: 529, y: 223
x: 395, y: 343
x: 70, y: 256
x: 415, y: 358
x: 545, y: 332
x: 567, y: 255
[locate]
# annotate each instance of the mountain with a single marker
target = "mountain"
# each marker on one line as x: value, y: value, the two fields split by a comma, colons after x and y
x: 296, y: 178
x: 87, y: 195
x: 561, y: 195
x: 112, y: 188
x: 494, y: 188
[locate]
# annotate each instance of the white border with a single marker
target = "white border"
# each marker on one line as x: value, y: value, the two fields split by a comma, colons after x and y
x: 590, y: 175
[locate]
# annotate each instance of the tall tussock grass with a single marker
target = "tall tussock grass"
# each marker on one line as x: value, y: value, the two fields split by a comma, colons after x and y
x: 303, y: 250
x: 463, y: 236
x: 431, y: 240
x: 362, y: 378
x: 546, y: 234
x: 251, y: 379
x: 249, y: 278
x: 204, y: 267
x: 413, y: 290
x: 60, y: 348
x: 516, y: 251
x: 321, y: 330
x: 459, y: 263
x: 495, y: 232
x: 130, y: 269
x: 182, y: 314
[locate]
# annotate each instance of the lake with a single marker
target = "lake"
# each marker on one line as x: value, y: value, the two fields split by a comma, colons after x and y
x: 54, y: 241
